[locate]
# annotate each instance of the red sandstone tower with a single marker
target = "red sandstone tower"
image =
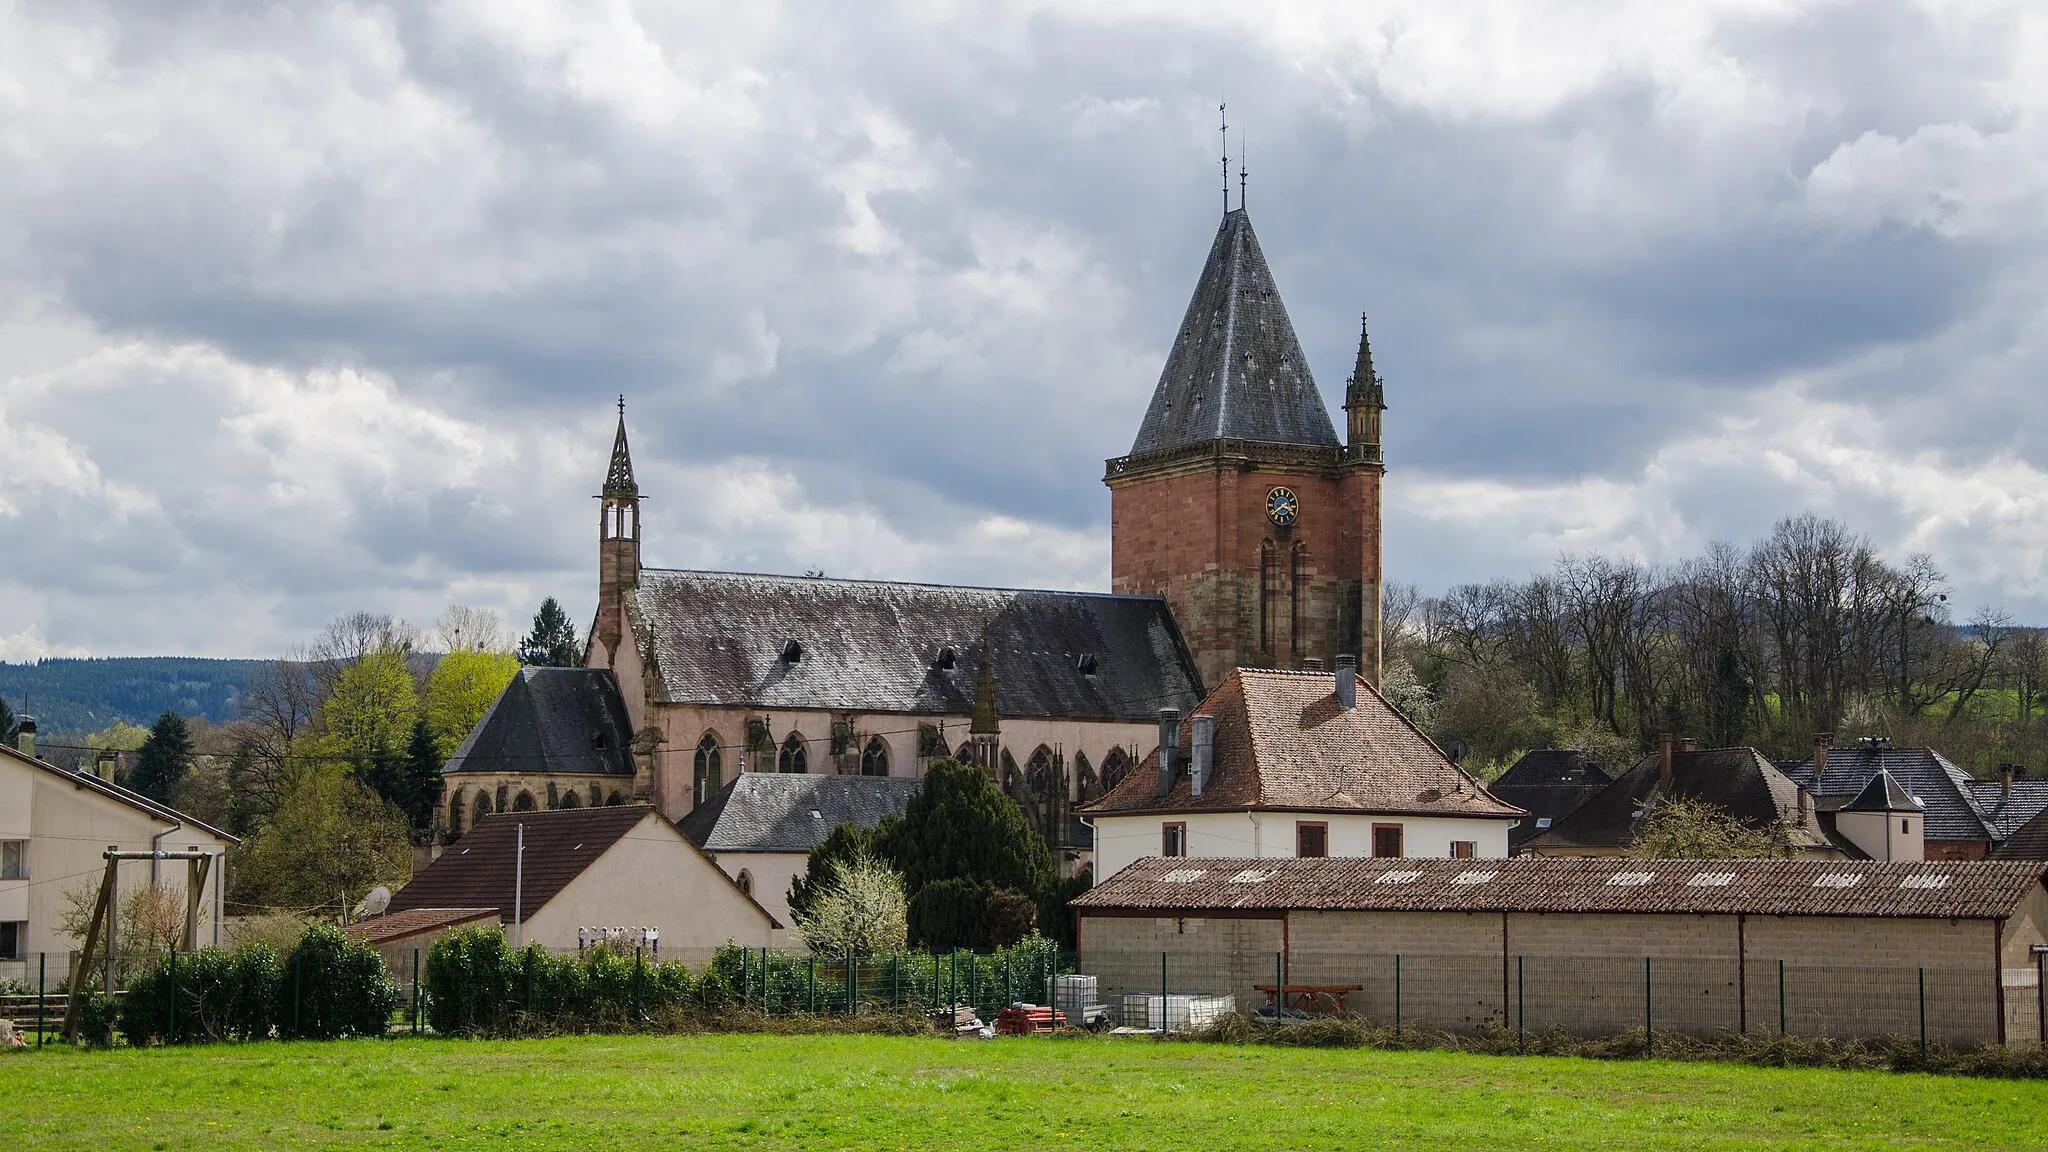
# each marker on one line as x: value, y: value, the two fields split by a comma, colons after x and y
x: 1237, y: 503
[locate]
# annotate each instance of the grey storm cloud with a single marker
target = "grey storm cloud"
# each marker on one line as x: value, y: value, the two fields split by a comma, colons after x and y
x: 313, y: 308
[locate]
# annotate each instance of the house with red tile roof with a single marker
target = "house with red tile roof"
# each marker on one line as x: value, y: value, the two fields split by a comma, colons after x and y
x: 1284, y: 764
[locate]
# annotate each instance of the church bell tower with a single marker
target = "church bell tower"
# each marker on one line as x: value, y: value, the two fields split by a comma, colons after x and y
x: 618, y: 551
x: 1237, y: 502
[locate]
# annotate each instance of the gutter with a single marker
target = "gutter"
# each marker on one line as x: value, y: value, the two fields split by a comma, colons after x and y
x: 156, y: 848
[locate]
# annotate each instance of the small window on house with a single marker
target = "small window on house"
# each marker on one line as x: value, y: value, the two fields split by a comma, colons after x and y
x: 1386, y: 840
x: 874, y: 759
x: 1464, y: 849
x: 1173, y: 839
x: 793, y: 757
x: 1311, y: 839
x: 13, y: 859
x: 13, y: 939
x: 1905, y: 825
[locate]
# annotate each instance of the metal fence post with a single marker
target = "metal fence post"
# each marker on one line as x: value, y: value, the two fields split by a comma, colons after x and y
x: 1923, y: 1012
x: 636, y: 982
x: 415, y: 991
x: 1649, y: 1025
x: 974, y: 983
x: 896, y: 981
x: 764, y: 979
x: 1279, y: 989
x: 42, y: 992
x: 1397, y: 994
x: 1162, y: 994
x: 852, y: 983
x: 171, y: 1025
x: 1521, y: 1010
x: 529, y: 977
x: 811, y: 988
x: 2041, y: 994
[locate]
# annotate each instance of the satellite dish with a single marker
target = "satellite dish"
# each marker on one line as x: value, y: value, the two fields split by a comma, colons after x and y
x: 377, y: 901
x: 1457, y: 751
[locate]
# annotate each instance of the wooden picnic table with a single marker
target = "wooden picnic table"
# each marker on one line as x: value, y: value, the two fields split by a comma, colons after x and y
x: 1315, y: 999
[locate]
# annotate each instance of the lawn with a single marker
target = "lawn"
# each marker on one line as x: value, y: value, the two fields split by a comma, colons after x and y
x: 888, y: 1093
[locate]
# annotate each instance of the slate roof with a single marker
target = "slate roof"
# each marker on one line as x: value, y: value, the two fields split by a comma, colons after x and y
x: 477, y: 871
x: 1960, y: 889
x: 792, y: 812
x: 569, y: 720
x: 718, y: 638
x: 1283, y: 743
x: 1550, y: 784
x: 2005, y: 812
x: 1236, y: 369
x: 2027, y: 842
x: 1953, y: 812
x: 1737, y: 780
x: 1884, y: 793
x: 397, y: 925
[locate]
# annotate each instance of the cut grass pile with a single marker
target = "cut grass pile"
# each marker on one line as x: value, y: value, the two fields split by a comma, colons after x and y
x: 881, y: 1092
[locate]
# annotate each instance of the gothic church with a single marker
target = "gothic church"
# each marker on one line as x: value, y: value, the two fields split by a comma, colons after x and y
x: 1243, y: 532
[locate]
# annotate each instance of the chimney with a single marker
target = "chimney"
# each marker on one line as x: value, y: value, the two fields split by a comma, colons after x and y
x: 108, y: 760
x: 1688, y: 744
x: 1664, y: 746
x: 1204, y: 761
x: 1347, y: 682
x: 25, y: 736
x: 1311, y: 663
x: 1169, y: 747
x: 2005, y: 775
x: 1822, y: 741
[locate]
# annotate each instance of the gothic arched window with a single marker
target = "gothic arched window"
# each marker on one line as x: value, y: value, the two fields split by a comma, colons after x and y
x: 1114, y: 766
x: 614, y: 800
x: 793, y: 758
x: 455, y: 813
x: 746, y: 881
x: 524, y: 803
x: 569, y: 799
x: 965, y: 755
x: 708, y: 775
x: 874, y: 759
x: 1039, y: 775
x: 483, y: 806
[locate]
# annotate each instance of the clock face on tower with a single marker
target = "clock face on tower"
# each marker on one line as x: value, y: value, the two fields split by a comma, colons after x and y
x: 1282, y: 506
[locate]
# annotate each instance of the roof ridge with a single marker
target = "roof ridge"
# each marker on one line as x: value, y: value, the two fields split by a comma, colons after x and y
x: 862, y: 582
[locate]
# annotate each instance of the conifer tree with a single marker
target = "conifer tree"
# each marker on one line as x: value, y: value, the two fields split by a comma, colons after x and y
x: 552, y: 643
x: 164, y: 758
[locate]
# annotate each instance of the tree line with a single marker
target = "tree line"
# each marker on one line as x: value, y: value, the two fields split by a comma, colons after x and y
x: 1806, y: 630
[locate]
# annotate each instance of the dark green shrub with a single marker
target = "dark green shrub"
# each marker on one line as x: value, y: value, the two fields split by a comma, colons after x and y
x: 216, y: 994
x: 468, y: 982
x: 1007, y: 917
x: 477, y: 985
x: 946, y: 914
x: 334, y: 987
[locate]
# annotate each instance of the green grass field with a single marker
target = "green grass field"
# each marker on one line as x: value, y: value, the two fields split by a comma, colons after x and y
x: 888, y: 1093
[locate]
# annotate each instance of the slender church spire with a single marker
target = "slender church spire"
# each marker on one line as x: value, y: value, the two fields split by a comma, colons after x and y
x: 1364, y: 396
x: 618, y: 479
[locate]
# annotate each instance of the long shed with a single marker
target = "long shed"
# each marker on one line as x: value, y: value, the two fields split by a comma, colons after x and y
x: 1593, y: 946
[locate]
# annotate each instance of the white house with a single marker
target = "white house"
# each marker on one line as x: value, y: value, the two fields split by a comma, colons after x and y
x: 1296, y: 764
x: 56, y: 826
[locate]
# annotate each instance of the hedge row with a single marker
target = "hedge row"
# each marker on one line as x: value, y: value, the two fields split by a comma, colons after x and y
x: 327, y: 986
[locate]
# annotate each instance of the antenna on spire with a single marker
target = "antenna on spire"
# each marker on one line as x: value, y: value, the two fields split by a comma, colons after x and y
x: 622, y: 405
x: 1244, y: 154
x: 1223, y: 115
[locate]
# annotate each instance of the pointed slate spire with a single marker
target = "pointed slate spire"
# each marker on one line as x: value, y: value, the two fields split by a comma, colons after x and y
x: 1236, y: 369
x: 1364, y: 383
x: 618, y: 480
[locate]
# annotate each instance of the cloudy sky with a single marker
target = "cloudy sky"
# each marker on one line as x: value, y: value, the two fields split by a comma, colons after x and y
x: 309, y: 308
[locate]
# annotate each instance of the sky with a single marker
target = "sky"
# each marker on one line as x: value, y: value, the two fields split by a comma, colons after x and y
x: 314, y: 308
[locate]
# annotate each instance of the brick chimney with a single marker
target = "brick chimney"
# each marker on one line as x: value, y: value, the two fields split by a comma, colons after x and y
x: 25, y: 736
x: 1822, y: 741
x: 1169, y: 747
x: 108, y: 761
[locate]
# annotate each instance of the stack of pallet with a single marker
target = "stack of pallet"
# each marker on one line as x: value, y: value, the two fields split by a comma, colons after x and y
x: 1025, y: 1019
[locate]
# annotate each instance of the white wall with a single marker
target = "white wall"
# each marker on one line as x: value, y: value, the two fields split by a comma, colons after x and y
x: 1885, y: 835
x: 1121, y: 840
x: 653, y: 878
x: 68, y: 824
x: 771, y: 874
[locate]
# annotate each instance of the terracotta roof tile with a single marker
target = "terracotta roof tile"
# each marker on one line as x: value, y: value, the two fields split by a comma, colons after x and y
x: 412, y: 921
x: 1945, y: 889
x: 477, y: 870
x: 1283, y: 743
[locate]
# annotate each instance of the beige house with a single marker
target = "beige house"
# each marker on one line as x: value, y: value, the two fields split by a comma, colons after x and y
x: 1310, y: 764
x: 590, y: 868
x: 55, y: 827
